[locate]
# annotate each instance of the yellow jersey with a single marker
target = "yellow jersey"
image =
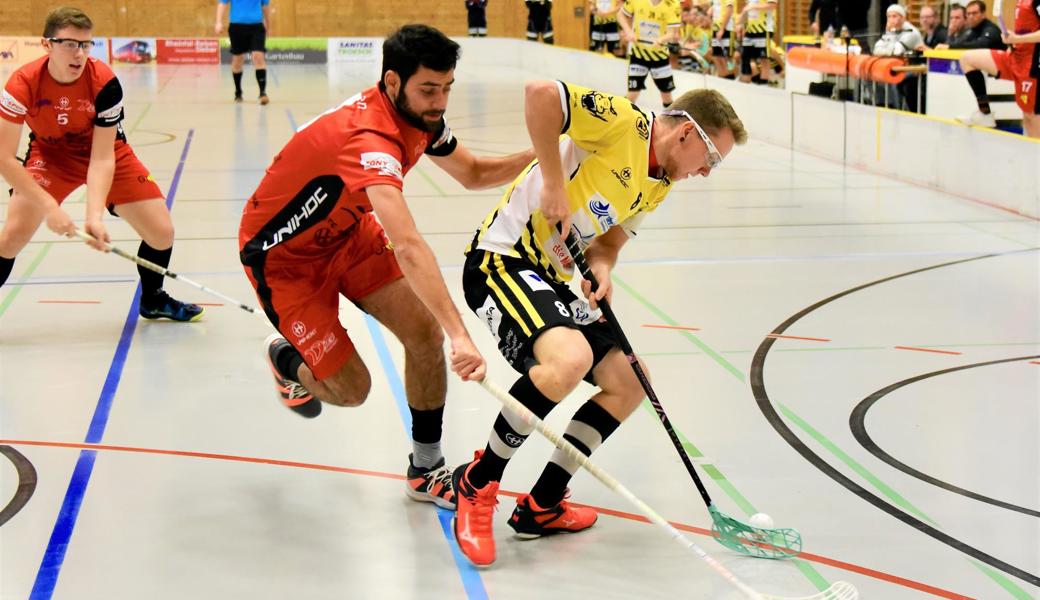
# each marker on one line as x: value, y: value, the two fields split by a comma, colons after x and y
x: 605, y: 150
x: 759, y: 21
x: 717, y: 8
x: 604, y: 6
x: 649, y: 22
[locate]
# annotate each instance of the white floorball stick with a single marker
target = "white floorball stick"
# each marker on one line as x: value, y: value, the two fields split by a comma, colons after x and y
x: 840, y: 590
x: 86, y: 237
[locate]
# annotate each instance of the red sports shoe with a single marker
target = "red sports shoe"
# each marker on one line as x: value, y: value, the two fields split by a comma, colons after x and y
x: 293, y: 395
x: 472, y: 522
x: 531, y: 521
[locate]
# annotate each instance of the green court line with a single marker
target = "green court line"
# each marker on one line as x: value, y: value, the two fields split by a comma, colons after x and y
x: 16, y: 288
x: 139, y: 118
x: 430, y: 180
x: 881, y: 486
x: 996, y: 235
x: 1004, y: 582
x: 725, y: 364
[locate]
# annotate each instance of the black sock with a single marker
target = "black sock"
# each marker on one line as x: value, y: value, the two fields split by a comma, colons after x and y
x: 261, y: 80
x: 238, y: 83
x: 288, y: 361
x: 426, y: 424
x: 151, y: 282
x: 977, y: 81
x: 509, y: 433
x: 590, y: 427
x: 6, y: 264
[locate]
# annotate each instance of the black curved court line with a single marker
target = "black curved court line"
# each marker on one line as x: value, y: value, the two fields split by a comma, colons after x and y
x: 762, y: 398
x: 859, y: 430
x: 26, y: 483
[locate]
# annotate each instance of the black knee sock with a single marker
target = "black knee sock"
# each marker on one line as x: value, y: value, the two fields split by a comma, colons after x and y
x: 509, y: 433
x: 238, y: 83
x: 151, y: 282
x: 261, y: 80
x: 6, y: 264
x: 589, y: 428
x: 288, y: 361
x: 977, y: 81
x: 426, y: 437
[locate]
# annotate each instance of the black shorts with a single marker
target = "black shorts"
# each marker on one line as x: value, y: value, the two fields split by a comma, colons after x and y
x: 518, y: 301
x: 659, y: 70
x: 756, y: 45
x: 247, y: 38
x: 721, y: 46
x: 539, y: 20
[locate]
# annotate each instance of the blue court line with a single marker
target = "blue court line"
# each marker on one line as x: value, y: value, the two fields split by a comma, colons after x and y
x: 58, y: 545
x: 471, y: 579
x: 292, y: 121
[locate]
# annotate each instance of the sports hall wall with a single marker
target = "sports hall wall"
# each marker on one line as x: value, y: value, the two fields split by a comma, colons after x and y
x: 289, y: 18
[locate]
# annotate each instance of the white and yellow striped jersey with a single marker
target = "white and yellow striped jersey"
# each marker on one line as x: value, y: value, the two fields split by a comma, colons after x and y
x: 717, y: 6
x: 602, y: 8
x: 759, y: 21
x: 605, y: 149
x: 650, y: 21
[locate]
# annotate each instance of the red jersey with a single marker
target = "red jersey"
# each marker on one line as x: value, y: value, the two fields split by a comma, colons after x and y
x: 63, y: 116
x: 1027, y: 16
x: 313, y: 193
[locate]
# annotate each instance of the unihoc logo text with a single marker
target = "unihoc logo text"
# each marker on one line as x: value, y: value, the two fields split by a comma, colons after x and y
x: 309, y: 207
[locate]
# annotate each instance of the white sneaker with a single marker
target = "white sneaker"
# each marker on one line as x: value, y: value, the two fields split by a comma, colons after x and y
x: 979, y: 119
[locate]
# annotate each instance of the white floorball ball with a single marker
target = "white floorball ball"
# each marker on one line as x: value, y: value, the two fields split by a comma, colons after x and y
x: 761, y: 520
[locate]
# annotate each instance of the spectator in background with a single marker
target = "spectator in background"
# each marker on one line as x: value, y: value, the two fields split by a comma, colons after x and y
x: 853, y: 14
x: 900, y: 36
x: 539, y: 20
x: 695, y: 40
x: 476, y: 17
x: 247, y: 30
x: 958, y: 28
x: 933, y: 32
x: 982, y: 33
x: 900, y: 39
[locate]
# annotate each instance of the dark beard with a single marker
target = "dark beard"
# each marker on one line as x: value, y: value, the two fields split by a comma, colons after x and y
x: 413, y: 118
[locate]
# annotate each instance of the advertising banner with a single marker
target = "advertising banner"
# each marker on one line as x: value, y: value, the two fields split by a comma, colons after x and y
x: 16, y: 51
x: 187, y: 52
x: 133, y: 51
x: 359, y: 49
x: 100, y: 50
x: 286, y: 51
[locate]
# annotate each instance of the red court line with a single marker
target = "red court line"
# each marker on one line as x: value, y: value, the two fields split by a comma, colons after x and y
x: 69, y: 301
x: 671, y: 327
x: 796, y: 337
x: 850, y: 567
x: 927, y: 350
x: 1034, y: 362
x: 209, y: 303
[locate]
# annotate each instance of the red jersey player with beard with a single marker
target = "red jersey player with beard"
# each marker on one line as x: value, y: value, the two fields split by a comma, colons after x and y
x: 308, y: 236
x: 73, y: 105
x: 1019, y: 63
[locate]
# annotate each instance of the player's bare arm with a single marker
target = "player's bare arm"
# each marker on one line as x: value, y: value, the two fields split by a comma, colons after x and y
x: 1025, y: 38
x: 544, y: 115
x: 602, y: 255
x: 624, y: 21
x: 218, y: 27
x: 99, y: 183
x: 482, y: 172
x: 14, y: 173
x: 423, y: 274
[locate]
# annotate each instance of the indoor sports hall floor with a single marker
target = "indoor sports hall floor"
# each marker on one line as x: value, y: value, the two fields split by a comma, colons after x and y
x: 891, y: 333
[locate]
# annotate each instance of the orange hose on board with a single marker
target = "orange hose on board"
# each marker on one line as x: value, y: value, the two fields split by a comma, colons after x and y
x: 870, y: 68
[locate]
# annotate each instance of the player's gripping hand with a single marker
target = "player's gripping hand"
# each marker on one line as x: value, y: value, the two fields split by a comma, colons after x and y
x: 556, y: 208
x: 605, y: 289
x: 97, y: 230
x: 60, y: 222
x: 466, y: 361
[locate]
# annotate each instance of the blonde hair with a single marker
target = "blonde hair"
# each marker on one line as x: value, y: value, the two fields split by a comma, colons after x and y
x: 65, y: 16
x: 712, y: 112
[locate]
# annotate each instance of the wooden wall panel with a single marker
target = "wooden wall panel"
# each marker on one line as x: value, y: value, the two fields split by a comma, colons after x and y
x: 321, y: 18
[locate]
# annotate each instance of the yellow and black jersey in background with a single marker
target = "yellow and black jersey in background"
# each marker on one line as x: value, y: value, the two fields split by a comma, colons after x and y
x: 605, y: 150
x: 717, y: 8
x: 602, y: 7
x: 649, y: 22
x: 759, y: 21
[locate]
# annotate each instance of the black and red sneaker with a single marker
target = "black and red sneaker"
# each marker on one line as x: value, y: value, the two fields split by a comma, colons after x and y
x: 532, y: 521
x: 292, y: 394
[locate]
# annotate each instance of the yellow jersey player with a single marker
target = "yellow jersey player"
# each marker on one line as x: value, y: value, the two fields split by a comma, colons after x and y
x: 604, y: 25
x: 759, y: 18
x: 648, y: 26
x: 722, y: 36
x: 612, y: 165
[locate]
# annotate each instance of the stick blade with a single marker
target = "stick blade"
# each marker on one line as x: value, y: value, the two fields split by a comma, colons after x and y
x: 757, y: 542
